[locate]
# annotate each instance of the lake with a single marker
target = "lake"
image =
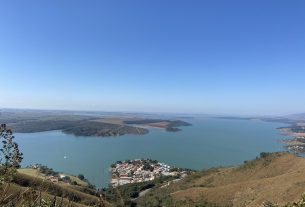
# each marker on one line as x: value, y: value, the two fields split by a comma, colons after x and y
x: 207, y: 143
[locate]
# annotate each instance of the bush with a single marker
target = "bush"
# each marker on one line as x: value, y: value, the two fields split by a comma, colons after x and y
x: 81, y: 177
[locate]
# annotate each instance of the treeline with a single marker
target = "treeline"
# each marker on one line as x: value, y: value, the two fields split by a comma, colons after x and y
x: 91, y: 128
x: 126, y: 195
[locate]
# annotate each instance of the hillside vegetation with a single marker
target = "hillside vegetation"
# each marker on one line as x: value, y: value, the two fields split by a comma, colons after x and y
x: 272, y: 178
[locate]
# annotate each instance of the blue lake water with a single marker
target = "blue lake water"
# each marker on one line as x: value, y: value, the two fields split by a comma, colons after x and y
x: 207, y: 143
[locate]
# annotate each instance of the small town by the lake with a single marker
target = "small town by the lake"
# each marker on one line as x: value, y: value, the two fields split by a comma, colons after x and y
x: 140, y: 170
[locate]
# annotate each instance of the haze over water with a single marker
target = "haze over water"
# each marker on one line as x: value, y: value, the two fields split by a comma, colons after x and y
x: 207, y: 143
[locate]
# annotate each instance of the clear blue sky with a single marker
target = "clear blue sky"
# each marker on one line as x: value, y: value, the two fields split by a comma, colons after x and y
x: 191, y: 56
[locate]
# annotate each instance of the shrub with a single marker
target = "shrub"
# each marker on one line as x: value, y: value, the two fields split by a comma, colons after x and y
x: 81, y: 177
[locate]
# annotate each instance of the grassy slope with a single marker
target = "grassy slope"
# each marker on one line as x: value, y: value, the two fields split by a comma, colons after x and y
x: 35, y: 173
x: 17, y: 188
x: 277, y: 177
x: 23, y: 181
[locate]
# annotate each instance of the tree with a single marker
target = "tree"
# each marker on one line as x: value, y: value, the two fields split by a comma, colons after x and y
x: 10, y: 156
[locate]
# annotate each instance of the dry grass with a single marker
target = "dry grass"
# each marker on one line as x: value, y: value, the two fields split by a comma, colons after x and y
x: 31, y: 172
x: 46, y: 196
x: 111, y: 120
x: 35, y: 173
x: 23, y: 183
x: 279, y: 178
x: 162, y: 124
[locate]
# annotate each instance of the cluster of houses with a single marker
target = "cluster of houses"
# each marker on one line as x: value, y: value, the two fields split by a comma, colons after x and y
x: 296, y: 145
x: 139, y: 170
x: 50, y: 174
x: 56, y: 179
x: 296, y: 148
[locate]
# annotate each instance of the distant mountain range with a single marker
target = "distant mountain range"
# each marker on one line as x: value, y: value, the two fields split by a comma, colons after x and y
x: 300, y: 116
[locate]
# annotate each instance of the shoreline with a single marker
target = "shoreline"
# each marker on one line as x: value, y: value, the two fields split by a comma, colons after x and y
x: 296, y: 144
